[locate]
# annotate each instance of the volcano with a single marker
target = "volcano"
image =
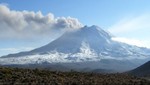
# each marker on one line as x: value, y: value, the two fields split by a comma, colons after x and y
x: 87, y: 47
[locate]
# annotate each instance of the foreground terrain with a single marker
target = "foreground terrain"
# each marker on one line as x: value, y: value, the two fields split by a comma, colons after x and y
x: 17, y: 76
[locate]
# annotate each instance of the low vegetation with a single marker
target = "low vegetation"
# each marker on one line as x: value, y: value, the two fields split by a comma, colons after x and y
x: 17, y: 76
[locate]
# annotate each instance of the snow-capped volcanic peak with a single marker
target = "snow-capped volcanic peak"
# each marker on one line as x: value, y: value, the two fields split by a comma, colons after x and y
x: 71, y: 41
x: 80, y: 45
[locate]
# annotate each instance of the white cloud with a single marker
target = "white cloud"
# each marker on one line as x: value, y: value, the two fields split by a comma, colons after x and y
x: 5, y: 51
x: 133, y: 30
x: 28, y: 24
x: 135, y: 42
x: 131, y: 24
x: 15, y: 50
x: 9, y: 49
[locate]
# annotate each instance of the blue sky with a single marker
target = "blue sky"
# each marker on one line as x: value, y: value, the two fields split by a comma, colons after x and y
x: 126, y: 19
x: 100, y: 12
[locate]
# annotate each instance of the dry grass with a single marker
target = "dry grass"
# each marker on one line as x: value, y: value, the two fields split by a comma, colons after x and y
x: 16, y: 76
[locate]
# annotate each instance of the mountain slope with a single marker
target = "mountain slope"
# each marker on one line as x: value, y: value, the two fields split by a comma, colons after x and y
x: 143, y: 70
x: 90, y: 47
x: 71, y: 41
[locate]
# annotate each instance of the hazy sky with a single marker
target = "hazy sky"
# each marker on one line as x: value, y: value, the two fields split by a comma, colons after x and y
x: 24, y: 23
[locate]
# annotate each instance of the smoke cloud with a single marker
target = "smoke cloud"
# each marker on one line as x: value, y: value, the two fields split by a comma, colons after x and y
x: 30, y: 24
